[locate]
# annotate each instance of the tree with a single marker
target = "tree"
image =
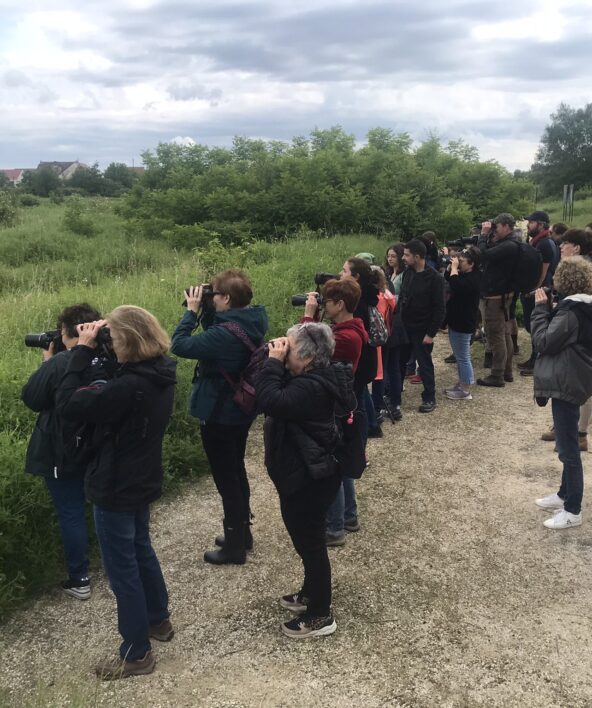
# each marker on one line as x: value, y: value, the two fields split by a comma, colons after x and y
x: 4, y: 181
x: 121, y: 175
x: 40, y: 182
x: 88, y: 180
x: 565, y: 153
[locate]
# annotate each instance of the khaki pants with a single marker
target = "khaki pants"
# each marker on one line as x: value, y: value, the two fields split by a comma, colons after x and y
x: 499, y: 334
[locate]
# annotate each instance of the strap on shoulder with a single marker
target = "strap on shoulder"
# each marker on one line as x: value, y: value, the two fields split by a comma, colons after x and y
x: 239, y: 333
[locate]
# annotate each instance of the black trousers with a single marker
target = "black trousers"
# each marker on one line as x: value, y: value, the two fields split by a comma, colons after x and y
x: 423, y: 355
x: 304, y: 514
x: 225, y: 447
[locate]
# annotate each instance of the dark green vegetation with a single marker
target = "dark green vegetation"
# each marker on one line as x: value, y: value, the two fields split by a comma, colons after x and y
x: 258, y: 189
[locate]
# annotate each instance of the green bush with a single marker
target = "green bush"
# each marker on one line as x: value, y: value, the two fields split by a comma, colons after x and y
x: 29, y: 200
x: 77, y: 221
x: 8, y: 209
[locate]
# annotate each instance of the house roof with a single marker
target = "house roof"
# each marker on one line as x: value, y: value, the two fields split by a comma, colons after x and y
x: 14, y: 173
x: 52, y: 163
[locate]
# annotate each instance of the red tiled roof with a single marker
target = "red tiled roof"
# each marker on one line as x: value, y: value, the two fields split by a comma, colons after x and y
x: 14, y: 174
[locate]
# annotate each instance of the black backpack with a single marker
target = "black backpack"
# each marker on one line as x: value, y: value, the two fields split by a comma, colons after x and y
x: 527, y: 269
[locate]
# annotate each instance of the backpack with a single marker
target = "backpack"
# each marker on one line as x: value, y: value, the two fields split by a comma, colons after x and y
x: 527, y: 269
x: 245, y: 387
x: 377, y: 329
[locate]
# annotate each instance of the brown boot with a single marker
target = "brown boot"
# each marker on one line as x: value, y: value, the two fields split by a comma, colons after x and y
x: 549, y: 436
x: 162, y: 632
x: 491, y: 381
x: 583, y: 440
x: 112, y: 669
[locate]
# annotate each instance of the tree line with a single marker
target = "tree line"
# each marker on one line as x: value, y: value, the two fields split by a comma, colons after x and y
x: 324, y: 183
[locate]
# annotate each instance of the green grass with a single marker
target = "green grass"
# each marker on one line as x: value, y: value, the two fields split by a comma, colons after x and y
x: 44, y: 268
x: 582, y: 211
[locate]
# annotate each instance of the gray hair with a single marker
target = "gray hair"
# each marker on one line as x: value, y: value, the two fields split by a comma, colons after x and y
x: 313, y: 340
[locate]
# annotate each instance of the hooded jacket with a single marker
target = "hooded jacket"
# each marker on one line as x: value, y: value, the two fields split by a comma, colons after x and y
x: 130, y: 414
x: 217, y: 348
x: 563, y: 340
x: 300, y: 430
x: 45, y: 452
x: 350, y: 337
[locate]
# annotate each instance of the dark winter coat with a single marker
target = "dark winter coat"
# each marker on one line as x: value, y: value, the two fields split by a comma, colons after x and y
x: 563, y: 341
x: 462, y: 308
x: 130, y: 414
x: 217, y: 348
x: 300, y: 430
x: 498, y: 262
x: 45, y: 453
x: 368, y: 362
x: 422, y: 301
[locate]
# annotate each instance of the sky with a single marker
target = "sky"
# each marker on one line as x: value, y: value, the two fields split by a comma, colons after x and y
x: 105, y: 80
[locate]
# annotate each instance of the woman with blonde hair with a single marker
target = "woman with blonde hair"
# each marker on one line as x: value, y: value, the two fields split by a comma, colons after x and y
x: 129, y: 414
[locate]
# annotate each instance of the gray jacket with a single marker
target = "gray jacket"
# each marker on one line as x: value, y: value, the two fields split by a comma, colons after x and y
x: 563, y: 368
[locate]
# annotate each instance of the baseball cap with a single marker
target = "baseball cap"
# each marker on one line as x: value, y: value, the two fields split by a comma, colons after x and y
x: 541, y: 216
x: 505, y: 218
x: 368, y: 257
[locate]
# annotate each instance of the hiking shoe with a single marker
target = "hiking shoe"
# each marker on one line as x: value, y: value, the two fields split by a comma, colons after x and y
x: 415, y: 379
x: 508, y: 378
x: 427, y: 407
x: 307, y: 626
x: 375, y: 432
x: 162, y: 632
x: 110, y: 670
x: 77, y: 587
x: 551, y: 501
x: 528, y: 364
x: 491, y: 381
x: 335, y: 539
x: 488, y: 360
x: 563, y: 520
x: 549, y: 436
x: 450, y: 359
x: 409, y: 374
x: 459, y: 394
x: 583, y: 442
x: 452, y: 388
x: 527, y: 372
x: 294, y: 602
x: 351, y: 525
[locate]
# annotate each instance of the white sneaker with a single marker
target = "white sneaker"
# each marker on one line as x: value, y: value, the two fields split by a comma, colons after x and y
x: 564, y: 520
x: 551, y: 501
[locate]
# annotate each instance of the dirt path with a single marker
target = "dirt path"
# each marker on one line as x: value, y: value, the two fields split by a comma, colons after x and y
x: 452, y: 594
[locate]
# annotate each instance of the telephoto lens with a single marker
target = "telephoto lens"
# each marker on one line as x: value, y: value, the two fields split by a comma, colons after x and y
x: 300, y: 300
x: 42, y: 340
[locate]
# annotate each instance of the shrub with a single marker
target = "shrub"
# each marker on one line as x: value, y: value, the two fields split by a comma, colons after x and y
x: 77, y: 221
x: 29, y: 200
x: 8, y: 209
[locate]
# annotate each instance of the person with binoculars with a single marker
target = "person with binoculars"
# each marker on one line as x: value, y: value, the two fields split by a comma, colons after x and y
x: 229, y: 323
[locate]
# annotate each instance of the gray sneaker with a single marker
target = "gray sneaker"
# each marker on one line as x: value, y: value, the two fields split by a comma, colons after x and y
x: 459, y: 394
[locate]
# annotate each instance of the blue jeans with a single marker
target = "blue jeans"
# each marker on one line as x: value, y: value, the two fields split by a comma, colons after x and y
x: 461, y: 348
x: 343, y: 508
x: 565, y: 419
x: 134, y: 575
x: 70, y: 505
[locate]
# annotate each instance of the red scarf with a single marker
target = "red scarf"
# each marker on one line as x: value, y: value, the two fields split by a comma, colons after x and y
x: 539, y: 237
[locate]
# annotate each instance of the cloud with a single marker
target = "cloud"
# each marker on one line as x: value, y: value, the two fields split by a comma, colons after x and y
x: 113, y: 78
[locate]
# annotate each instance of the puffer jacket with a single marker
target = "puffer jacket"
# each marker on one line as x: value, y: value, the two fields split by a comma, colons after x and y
x: 563, y: 340
x: 300, y: 429
x: 218, y: 348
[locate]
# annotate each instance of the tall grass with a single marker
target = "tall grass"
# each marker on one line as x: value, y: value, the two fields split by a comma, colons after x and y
x: 44, y: 268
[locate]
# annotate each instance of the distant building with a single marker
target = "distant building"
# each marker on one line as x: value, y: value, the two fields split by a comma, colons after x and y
x: 138, y: 170
x: 64, y: 170
x: 15, y: 175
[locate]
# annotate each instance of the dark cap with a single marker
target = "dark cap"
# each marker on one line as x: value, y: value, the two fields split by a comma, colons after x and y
x: 541, y: 216
x: 505, y: 218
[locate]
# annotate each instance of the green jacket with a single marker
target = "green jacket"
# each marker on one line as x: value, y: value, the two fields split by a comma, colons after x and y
x: 217, y: 348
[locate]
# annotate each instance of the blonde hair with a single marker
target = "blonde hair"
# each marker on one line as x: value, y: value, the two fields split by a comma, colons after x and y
x: 141, y: 335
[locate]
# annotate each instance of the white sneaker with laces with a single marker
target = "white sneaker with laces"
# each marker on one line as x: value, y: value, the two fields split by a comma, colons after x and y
x: 564, y: 520
x: 551, y: 501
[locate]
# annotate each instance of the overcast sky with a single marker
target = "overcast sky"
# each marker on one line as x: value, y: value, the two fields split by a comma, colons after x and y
x: 104, y: 80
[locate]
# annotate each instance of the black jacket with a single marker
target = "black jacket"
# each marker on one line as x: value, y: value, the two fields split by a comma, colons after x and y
x: 462, y: 308
x: 45, y: 453
x: 422, y: 301
x: 368, y: 363
x: 130, y: 414
x: 498, y: 262
x: 300, y: 430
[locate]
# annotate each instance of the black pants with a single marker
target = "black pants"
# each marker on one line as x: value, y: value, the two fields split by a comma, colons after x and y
x: 304, y: 514
x: 423, y: 355
x: 225, y: 446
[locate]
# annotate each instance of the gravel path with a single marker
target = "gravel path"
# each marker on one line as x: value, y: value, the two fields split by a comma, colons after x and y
x: 452, y: 594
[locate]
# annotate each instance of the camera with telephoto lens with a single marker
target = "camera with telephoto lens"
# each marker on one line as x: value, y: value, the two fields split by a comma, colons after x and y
x: 299, y: 300
x: 463, y: 241
x: 322, y: 278
x: 44, y: 340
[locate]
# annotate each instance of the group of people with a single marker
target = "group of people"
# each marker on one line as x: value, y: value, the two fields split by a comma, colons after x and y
x: 101, y: 422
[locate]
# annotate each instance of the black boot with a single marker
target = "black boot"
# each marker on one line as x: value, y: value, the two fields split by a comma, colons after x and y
x: 234, y: 547
x: 220, y: 540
